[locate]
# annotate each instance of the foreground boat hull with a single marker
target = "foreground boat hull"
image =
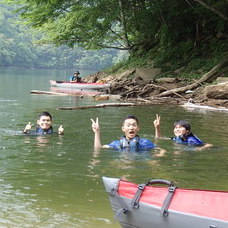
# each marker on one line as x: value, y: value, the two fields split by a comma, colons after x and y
x: 148, y: 215
x: 75, y: 85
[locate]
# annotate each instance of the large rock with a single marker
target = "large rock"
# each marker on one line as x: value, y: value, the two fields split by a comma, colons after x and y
x: 222, y: 79
x: 126, y: 74
x: 219, y: 91
x: 147, y: 73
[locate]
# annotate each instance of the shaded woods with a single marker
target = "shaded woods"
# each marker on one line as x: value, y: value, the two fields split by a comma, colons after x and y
x: 161, y: 29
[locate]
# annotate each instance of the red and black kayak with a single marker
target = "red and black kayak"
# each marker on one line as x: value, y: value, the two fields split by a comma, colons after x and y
x: 148, y: 206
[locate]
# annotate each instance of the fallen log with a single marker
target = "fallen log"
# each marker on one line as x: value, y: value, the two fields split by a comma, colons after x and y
x: 48, y: 93
x: 191, y: 105
x: 100, y: 106
x: 147, y: 88
x: 210, y: 76
x: 136, y: 102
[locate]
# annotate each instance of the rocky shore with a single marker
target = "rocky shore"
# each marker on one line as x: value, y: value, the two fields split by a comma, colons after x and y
x: 143, y: 85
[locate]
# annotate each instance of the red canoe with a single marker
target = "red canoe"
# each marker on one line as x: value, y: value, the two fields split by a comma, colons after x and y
x: 77, y: 85
x: 145, y: 206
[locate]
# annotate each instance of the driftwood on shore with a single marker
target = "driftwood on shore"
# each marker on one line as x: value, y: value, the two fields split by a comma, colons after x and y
x: 151, y: 89
x: 214, y: 73
x: 149, y: 86
x: 135, y: 102
x: 48, y: 93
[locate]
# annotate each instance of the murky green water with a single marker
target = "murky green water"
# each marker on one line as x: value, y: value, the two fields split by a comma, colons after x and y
x: 55, y: 181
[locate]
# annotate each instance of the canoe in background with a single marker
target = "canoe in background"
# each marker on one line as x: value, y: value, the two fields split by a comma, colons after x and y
x: 76, y: 85
x: 144, y: 206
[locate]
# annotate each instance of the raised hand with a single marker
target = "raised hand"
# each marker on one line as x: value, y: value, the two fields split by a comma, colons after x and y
x: 157, y: 121
x: 95, y: 125
x: 96, y: 130
x: 157, y: 126
x: 28, y: 127
x: 61, y: 130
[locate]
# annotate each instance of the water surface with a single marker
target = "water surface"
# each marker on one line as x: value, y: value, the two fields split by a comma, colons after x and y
x: 55, y: 181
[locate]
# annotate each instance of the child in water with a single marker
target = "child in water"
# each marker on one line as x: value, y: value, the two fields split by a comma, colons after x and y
x: 130, y: 140
x: 182, y: 132
x: 44, y: 127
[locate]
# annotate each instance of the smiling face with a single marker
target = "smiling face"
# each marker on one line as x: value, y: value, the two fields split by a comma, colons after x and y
x: 180, y: 130
x: 130, y: 128
x: 44, y: 122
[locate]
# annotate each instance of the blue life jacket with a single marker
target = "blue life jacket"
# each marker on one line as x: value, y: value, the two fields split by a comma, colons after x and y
x: 132, y: 144
x: 40, y: 131
x: 191, y: 140
x: 72, y: 78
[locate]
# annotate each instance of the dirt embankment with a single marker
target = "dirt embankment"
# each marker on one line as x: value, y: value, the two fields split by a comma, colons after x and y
x: 144, y: 85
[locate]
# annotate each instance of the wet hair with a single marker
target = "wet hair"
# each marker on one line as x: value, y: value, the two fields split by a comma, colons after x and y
x: 130, y: 117
x: 184, y: 124
x: 44, y: 114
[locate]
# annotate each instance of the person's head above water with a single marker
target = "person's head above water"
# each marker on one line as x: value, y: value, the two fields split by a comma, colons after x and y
x: 44, y: 114
x: 181, y: 128
x: 44, y: 120
x: 130, y: 141
x: 130, y: 117
x: 44, y: 125
x: 130, y: 126
x: 76, y: 73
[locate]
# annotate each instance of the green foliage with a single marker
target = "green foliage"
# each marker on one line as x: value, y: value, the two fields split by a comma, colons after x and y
x: 154, y: 32
x: 19, y: 48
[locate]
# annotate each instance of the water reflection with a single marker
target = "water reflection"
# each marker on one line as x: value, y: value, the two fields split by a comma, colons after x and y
x: 55, y: 181
x: 125, y: 160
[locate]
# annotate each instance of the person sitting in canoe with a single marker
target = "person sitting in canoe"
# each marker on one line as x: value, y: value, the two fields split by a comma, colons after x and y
x: 182, y: 132
x: 44, y: 126
x: 130, y: 141
x: 75, y: 77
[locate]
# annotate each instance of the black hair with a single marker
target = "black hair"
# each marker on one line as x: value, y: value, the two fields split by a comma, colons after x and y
x: 44, y: 114
x: 130, y: 117
x: 184, y: 124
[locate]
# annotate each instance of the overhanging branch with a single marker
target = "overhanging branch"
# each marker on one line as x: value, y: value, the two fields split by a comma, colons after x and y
x: 220, y: 14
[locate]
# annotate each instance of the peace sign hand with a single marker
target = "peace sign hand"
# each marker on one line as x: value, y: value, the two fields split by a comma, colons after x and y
x: 157, y: 121
x: 95, y: 125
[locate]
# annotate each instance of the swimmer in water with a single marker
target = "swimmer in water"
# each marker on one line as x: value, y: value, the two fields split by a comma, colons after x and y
x: 44, y: 125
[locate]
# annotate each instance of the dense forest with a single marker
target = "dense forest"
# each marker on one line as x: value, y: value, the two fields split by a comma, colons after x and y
x: 19, y: 48
x: 163, y: 33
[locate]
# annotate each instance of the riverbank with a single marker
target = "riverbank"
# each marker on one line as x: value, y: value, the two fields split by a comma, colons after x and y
x: 146, y: 86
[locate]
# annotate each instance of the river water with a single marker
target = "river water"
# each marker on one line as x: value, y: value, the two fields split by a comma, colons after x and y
x: 55, y: 181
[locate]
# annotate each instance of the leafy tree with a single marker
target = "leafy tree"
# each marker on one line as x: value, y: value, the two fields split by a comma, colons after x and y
x: 138, y: 26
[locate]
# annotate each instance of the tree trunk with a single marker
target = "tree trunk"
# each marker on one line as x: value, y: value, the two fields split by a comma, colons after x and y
x: 218, y: 70
x: 123, y: 21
